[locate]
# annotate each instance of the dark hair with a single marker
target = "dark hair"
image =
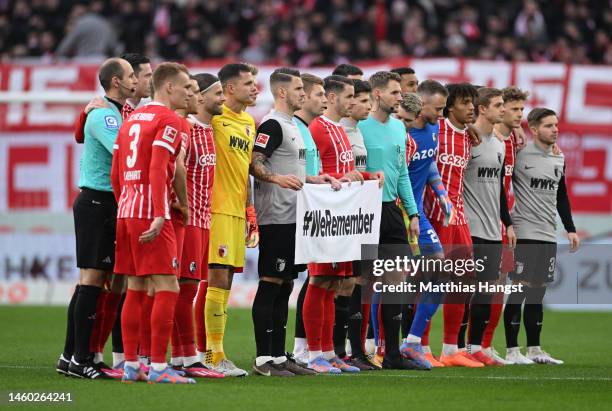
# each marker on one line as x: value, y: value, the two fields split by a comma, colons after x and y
x: 514, y: 93
x: 459, y: 91
x: 109, y: 69
x: 310, y: 80
x: 283, y: 75
x: 430, y: 88
x: 205, y: 80
x: 336, y: 84
x: 536, y: 115
x: 382, y: 78
x: 486, y: 94
x: 403, y: 70
x: 135, y: 60
x: 233, y: 70
x: 164, y: 72
x: 361, y: 86
x: 347, y: 70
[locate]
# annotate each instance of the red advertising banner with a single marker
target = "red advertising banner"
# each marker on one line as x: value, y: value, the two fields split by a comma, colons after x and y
x: 39, y: 103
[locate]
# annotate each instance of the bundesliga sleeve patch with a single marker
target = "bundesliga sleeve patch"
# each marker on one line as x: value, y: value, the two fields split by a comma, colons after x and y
x: 262, y: 140
x: 169, y: 134
x: 111, y: 122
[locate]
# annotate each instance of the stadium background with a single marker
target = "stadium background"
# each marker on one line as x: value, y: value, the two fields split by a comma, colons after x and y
x: 560, y: 51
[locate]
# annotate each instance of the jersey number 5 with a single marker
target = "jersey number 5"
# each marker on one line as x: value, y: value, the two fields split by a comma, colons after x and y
x: 135, y: 134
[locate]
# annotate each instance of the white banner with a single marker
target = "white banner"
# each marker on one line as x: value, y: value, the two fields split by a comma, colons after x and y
x: 332, y: 225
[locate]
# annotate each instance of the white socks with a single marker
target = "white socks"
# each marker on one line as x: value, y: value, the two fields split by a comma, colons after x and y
x: 474, y: 348
x: 313, y: 355
x: 118, y: 357
x: 413, y: 339
x: 259, y: 361
x: 159, y: 366
x: 299, y: 346
x: 449, y: 349
x: 187, y: 361
x: 328, y: 355
x: 279, y: 360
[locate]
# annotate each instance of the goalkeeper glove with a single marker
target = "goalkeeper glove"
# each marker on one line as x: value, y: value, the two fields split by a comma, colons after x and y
x: 252, y: 235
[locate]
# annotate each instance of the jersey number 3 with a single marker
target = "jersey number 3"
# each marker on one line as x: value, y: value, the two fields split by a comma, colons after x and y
x: 135, y: 134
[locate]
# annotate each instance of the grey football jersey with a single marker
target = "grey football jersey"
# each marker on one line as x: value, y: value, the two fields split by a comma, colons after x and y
x: 356, y: 139
x: 279, y: 138
x: 482, y: 185
x: 535, y: 182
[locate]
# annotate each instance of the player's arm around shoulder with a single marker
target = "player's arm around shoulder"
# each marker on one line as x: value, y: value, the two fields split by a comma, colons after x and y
x: 103, y: 124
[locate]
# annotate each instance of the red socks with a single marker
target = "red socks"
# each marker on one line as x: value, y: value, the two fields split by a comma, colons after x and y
x: 183, y: 319
x: 130, y: 323
x: 200, y: 322
x: 487, y: 338
x: 453, y: 316
x: 329, y: 317
x: 111, y: 304
x: 365, y: 312
x: 162, y: 320
x: 313, y: 313
x: 145, y: 328
x: 95, y: 340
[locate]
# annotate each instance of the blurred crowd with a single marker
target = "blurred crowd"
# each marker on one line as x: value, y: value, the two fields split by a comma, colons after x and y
x: 309, y: 32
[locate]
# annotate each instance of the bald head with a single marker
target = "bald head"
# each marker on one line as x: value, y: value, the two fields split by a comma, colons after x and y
x: 111, y: 68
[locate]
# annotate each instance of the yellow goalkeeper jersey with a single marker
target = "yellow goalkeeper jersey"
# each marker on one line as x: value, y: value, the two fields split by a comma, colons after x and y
x: 233, y: 135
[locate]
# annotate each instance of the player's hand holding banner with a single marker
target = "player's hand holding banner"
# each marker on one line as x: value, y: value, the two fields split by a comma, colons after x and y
x: 332, y: 225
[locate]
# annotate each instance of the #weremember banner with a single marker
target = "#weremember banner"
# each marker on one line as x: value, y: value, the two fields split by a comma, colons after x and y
x: 332, y: 225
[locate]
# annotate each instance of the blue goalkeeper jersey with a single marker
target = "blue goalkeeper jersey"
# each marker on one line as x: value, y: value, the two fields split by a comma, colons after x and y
x: 420, y: 168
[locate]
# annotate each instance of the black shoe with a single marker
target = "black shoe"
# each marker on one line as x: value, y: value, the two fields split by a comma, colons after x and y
x: 269, y: 369
x: 87, y: 370
x: 62, y: 365
x: 361, y: 362
x: 396, y: 363
x: 292, y: 366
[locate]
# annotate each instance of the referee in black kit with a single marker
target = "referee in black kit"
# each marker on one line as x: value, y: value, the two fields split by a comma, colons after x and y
x: 95, y: 214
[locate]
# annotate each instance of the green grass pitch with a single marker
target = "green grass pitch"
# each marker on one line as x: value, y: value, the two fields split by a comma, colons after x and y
x: 32, y: 338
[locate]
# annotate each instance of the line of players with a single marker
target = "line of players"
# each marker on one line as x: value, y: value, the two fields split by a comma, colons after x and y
x: 319, y: 132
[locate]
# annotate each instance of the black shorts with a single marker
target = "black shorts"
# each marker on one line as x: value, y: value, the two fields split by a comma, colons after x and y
x: 488, y: 253
x: 277, y: 252
x: 535, y: 261
x: 95, y: 221
x: 392, y: 227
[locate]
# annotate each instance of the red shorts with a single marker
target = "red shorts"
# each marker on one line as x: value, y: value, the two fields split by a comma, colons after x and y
x: 135, y: 258
x: 507, y: 262
x: 455, y: 239
x: 344, y: 269
x: 179, y: 231
x: 194, y: 263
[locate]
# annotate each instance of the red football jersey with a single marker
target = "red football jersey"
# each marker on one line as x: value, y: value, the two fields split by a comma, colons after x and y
x: 411, y: 147
x: 127, y: 109
x: 454, y: 149
x: 200, y: 159
x: 185, y: 132
x: 334, y: 147
x: 152, y: 127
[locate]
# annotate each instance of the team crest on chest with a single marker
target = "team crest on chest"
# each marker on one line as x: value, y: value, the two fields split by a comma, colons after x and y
x: 247, y: 128
x: 192, y: 267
